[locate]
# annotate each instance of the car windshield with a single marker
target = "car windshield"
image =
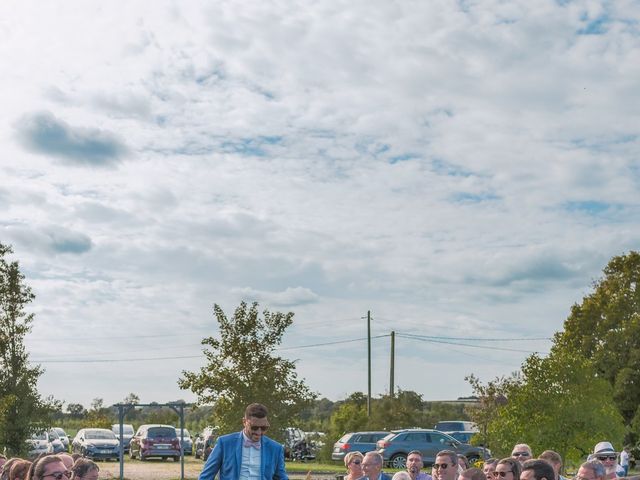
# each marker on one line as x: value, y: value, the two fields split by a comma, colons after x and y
x: 60, y: 432
x: 158, y: 432
x: 186, y: 432
x: 99, y: 435
x: 40, y: 436
x: 54, y: 435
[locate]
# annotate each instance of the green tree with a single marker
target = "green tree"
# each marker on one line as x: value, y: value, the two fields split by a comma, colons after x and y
x: 557, y: 403
x: 605, y: 328
x: 242, y: 368
x: 403, y: 410
x: 99, y: 416
x: 76, y: 410
x: 22, y: 410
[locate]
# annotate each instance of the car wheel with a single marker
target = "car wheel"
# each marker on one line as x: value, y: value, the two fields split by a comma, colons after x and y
x: 398, y: 461
x: 473, y: 459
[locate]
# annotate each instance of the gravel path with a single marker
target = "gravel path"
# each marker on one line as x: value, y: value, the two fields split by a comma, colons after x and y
x: 168, y: 470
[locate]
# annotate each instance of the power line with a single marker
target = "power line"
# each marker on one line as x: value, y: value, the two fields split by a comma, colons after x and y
x: 413, y: 337
x: 106, y: 360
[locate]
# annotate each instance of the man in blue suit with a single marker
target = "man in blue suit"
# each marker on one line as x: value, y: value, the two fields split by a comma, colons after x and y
x: 249, y: 454
x: 372, y: 467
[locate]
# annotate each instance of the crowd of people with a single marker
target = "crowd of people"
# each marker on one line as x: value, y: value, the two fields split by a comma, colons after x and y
x: 602, y: 464
x: 62, y: 466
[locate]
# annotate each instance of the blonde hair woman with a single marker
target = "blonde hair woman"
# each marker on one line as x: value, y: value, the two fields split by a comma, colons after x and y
x: 353, y: 462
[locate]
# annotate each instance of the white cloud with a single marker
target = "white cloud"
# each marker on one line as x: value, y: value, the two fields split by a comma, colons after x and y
x: 452, y: 167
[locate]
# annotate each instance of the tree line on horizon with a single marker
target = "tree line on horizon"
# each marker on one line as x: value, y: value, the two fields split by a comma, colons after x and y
x: 586, y: 389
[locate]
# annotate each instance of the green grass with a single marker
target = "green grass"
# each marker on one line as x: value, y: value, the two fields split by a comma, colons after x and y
x: 314, y: 467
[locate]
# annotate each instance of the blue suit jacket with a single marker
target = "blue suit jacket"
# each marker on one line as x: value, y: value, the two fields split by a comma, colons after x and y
x: 226, y: 459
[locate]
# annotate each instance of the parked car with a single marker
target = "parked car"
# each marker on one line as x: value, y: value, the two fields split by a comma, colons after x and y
x: 205, y: 442
x: 96, y: 443
x: 395, y: 447
x: 127, y: 433
x: 155, y: 441
x: 447, y: 426
x: 56, y: 443
x: 362, y: 442
x: 64, y: 438
x: 187, y: 442
x: 463, y: 437
x: 38, y: 444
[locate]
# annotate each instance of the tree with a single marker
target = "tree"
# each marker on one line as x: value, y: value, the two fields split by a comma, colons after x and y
x: 99, y: 416
x: 556, y: 403
x: 76, y: 410
x: 22, y: 410
x: 605, y: 328
x: 242, y: 368
x: 132, y: 398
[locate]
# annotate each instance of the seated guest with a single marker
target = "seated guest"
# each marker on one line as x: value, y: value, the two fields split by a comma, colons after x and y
x: 537, y: 470
x: 353, y: 462
x: 472, y: 474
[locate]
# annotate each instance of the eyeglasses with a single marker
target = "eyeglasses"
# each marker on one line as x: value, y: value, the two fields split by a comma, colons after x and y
x: 443, y: 466
x: 520, y: 454
x: 501, y: 474
x: 58, y: 475
x: 255, y: 428
x: 602, y: 459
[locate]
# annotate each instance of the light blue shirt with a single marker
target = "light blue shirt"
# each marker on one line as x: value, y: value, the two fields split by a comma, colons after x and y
x: 250, y: 468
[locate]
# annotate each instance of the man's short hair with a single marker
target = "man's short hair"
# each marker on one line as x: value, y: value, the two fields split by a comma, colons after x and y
x: 474, y: 474
x: 20, y: 469
x: 256, y: 410
x: 453, y: 456
x: 541, y: 469
x: 596, y: 466
x: 414, y: 452
x: 490, y: 461
x: 522, y: 446
x: 375, y: 455
x: 513, y: 464
x: 551, y: 456
x: 401, y: 476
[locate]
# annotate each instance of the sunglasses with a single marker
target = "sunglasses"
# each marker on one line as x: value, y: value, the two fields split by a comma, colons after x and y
x: 443, y: 466
x: 356, y: 462
x: 520, y: 454
x: 255, y: 428
x: 501, y: 474
x: 602, y: 459
x: 58, y: 475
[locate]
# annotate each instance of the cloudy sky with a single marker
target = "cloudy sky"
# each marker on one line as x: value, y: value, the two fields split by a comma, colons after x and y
x: 464, y: 170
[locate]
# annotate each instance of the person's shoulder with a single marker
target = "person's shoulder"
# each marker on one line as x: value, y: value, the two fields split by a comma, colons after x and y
x: 271, y: 442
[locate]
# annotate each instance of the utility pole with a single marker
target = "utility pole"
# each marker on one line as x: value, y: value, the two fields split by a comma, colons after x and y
x: 369, y: 363
x: 393, y: 362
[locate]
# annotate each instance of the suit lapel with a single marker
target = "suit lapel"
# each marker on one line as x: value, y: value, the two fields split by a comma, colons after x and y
x: 263, y: 455
x: 239, y: 454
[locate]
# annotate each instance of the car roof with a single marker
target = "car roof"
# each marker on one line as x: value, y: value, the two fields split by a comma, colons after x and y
x: 369, y: 431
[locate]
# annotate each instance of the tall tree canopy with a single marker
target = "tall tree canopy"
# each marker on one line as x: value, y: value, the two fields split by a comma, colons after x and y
x: 242, y: 368
x: 605, y: 328
x: 22, y: 410
x: 555, y: 403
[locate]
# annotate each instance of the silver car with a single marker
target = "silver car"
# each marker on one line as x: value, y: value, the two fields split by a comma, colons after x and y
x: 186, y: 441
